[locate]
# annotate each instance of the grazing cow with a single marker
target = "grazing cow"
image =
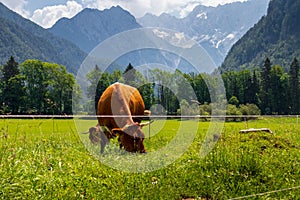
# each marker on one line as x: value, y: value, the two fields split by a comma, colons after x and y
x: 120, y: 102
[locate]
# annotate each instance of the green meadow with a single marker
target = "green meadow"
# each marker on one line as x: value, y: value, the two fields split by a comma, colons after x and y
x: 50, y: 159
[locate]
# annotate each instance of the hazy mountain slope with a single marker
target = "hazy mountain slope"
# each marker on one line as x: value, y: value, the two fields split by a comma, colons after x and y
x: 91, y: 26
x: 24, y: 39
x: 276, y: 36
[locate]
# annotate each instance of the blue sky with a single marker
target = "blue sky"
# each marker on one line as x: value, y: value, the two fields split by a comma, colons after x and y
x: 47, y: 12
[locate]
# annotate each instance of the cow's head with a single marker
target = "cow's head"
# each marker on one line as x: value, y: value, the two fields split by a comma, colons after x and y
x: 131, y: 137
x: 94, y: 134
x: 99, y: 134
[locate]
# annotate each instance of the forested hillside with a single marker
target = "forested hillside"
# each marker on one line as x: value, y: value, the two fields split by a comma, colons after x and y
x: 24, y: 39
x: 22, y: 44
x: 276, y: 36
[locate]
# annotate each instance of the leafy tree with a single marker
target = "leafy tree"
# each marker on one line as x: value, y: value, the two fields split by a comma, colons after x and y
x: 59, y: 89
x: 205, y: 109
x: 249, y: 109
x: 48, y: 87
x: 187, y: 108
x: 35, y: 84
x: 147, y: 93
x: 77, y: 107
x: 93, y: 78
x: 94, y: 91
x: 233, y: 110
x: 105, y: 80
x: 234, y: 101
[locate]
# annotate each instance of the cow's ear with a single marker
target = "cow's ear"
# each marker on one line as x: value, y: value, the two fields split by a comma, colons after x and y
x: 147, y: 112
x: 117, y: 131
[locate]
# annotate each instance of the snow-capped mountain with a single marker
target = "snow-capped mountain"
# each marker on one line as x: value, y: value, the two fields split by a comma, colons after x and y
x: 215, y: 28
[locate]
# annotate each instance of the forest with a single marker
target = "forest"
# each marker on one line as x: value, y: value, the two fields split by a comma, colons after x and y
x: 36, y: 87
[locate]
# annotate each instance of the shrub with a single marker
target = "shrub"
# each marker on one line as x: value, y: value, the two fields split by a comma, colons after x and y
x: 249, y: 109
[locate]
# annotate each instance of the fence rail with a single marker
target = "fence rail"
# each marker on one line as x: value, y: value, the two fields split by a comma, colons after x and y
x: 147, y: 116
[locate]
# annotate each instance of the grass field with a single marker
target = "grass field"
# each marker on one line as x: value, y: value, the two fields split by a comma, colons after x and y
x: 47, y: 159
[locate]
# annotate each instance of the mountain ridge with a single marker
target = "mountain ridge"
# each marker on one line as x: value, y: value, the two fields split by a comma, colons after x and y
x: 91, y: 26
x: 46, y: 47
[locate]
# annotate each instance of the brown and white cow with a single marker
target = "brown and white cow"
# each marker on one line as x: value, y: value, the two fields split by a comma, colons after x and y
x: 120, y: 102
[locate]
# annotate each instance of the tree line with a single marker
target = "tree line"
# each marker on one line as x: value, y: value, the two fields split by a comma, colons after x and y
x: 36, y: 87
x: 271, y: 88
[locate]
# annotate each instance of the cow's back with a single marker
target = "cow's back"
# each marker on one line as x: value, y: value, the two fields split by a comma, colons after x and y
x: 119, y: 99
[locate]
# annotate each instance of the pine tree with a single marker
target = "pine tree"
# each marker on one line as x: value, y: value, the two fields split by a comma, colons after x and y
x: 265, y: 87
x: 10, y: 69
x: 13, y: 92
x: 294, y: 87
x: 130, y: 75
x: 254, y: 89
x: 278, y: 90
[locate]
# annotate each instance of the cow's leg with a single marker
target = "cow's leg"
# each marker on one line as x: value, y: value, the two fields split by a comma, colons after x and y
x: 103, y: 142
x: 120, y: 142
x: 139, y: 144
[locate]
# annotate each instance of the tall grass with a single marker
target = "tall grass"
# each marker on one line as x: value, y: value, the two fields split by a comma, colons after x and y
x: 46, y: 159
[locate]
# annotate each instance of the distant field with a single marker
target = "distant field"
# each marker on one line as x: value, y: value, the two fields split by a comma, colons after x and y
x: 46, y: 159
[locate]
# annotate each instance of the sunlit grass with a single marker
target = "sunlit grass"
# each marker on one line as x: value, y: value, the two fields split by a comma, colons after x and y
x: 46, y: 158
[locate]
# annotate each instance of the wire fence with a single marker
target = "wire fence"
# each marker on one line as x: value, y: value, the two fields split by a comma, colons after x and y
x: 149, y: 116
x: 145, y: 117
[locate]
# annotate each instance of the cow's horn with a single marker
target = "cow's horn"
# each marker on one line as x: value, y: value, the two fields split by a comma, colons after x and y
x: 86, y: 132
x: 146, y: 123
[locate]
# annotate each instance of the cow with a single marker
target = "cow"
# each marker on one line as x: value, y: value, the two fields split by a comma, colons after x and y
x: 123, y: 106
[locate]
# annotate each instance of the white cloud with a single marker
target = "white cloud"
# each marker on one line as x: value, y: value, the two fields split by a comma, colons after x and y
x: 47, y: 16
x: 186, y: 9
x: 17, y: 6
x: 218, y: 2
x: 139, y: 8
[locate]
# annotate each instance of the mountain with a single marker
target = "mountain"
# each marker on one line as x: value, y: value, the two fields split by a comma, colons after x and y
x: 24, y: 39
x: 276, y: 36
x: 215, y: 28
x: 91, y: 26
